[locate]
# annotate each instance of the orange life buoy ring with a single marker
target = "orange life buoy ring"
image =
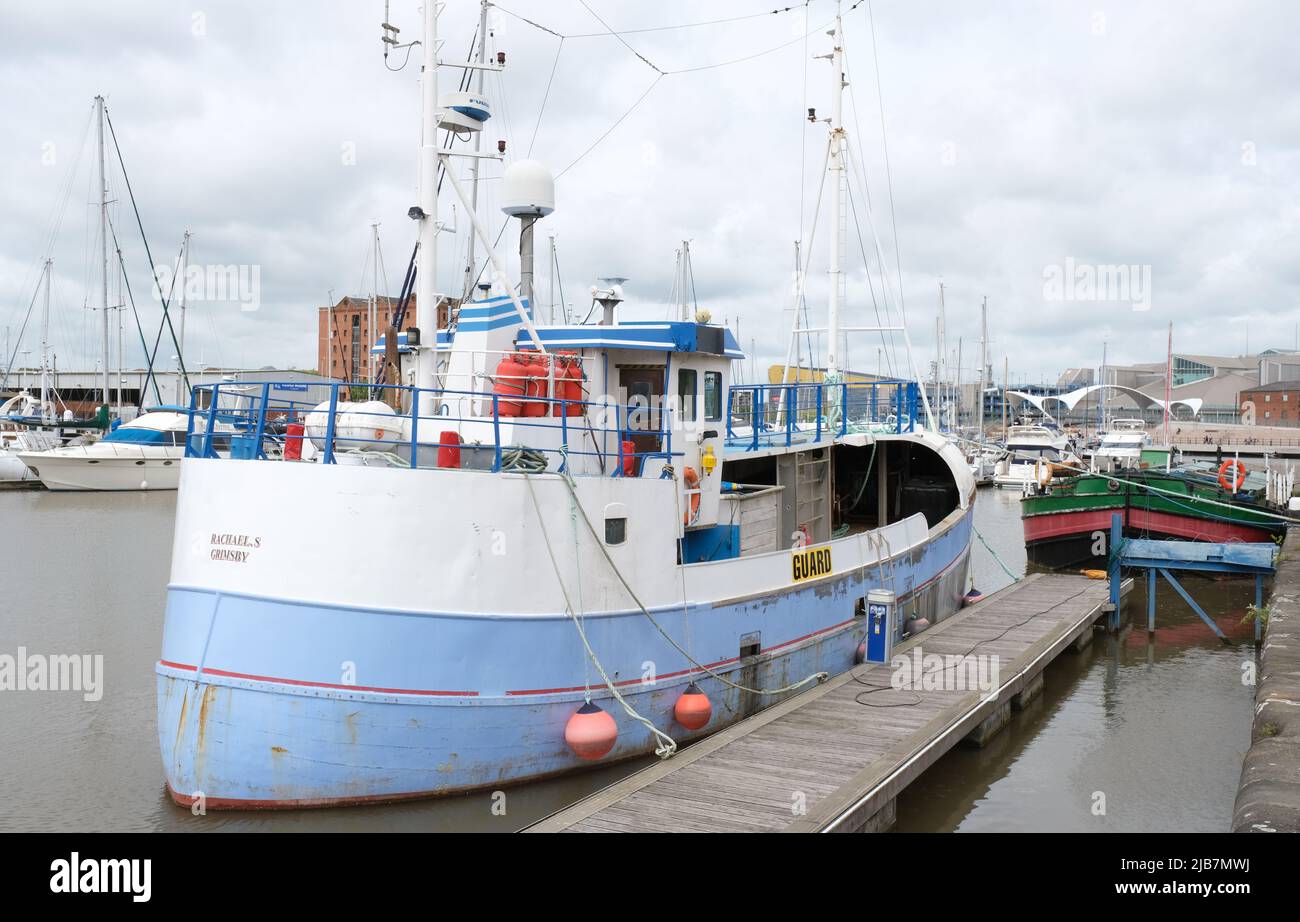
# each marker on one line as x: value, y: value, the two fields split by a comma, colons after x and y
x: 692, y: 481
x: 1235, y: 484
x: 379, y: 434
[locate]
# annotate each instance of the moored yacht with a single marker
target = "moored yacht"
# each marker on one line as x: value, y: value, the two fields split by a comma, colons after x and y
x: 144, y: 454
x: 1122, y: 445
x: 1028, y: 449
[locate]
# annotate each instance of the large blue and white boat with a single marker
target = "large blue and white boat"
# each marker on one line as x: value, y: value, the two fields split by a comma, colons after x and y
x: 426, y: 586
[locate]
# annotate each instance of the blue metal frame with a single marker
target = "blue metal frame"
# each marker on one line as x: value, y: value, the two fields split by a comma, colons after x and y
x: 768, y: 430
x: 249, y: 414
x: 1160, y: 557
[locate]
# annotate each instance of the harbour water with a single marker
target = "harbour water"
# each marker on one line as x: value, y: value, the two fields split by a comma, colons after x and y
x: 1158, y: 728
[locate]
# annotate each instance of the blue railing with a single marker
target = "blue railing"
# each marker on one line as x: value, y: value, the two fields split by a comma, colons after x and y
x: 253, y: 422
x: 794, y: 413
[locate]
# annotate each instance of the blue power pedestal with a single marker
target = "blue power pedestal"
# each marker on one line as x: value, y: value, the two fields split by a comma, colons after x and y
x: 881, y: 609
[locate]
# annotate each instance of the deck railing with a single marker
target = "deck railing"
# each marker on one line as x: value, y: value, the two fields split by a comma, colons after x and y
x: 253, y: 422
x: 765, y: 415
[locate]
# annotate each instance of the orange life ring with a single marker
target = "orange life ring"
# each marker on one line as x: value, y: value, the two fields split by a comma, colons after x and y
x: 1235, y: 484
x: 379, y: 434
x: 692, y: 481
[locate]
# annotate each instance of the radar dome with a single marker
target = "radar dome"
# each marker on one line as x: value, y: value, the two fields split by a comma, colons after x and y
x: 528, y: 189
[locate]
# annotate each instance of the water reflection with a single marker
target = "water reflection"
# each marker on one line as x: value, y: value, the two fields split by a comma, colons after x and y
x: 1157, y: 727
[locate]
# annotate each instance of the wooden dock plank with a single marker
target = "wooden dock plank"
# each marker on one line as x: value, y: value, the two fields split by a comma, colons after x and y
x: 845, y: 748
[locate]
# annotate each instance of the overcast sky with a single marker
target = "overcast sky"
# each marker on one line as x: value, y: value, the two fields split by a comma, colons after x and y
x: 1020, y: 135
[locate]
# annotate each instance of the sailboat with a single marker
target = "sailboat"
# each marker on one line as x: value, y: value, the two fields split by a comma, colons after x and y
x: 143, y: 453
x: 563, y: 545
x: 30, y: 422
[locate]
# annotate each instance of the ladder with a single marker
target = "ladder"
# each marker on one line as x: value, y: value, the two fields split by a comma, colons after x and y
x: 811, y: 486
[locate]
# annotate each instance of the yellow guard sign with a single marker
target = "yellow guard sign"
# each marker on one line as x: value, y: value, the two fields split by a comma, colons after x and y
x: 810, y: 563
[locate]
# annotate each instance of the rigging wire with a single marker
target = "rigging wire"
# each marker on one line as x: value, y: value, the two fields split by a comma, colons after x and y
x: 610, y: 129
x: 639, y: 31
x: 545, y: 96
x: 889, y: 176
x: 167, y: 320
x: 149, y: 377
x: 661, y: 72
x: 621, y: 39
x: 867, y: 264
x: 51, y: 232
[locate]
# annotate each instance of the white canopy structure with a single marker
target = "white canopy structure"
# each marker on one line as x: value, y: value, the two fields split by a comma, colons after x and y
x: 1071, y: 399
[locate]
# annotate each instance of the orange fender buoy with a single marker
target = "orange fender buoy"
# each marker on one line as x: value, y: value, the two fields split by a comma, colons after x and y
x: 1235, y: 484
x: 692, y: 709
x: 590, y: 732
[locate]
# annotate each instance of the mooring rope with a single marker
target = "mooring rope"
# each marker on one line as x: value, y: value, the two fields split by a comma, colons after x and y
x: 1170, y: 494
x: 816, y: 676
x: 667, y: 746
x: 988, y: 547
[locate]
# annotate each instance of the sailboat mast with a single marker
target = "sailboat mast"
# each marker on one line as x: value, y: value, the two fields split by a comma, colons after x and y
x: 45, y: 341
x: 103, y: 241
x: 1169, y: 379
x: 835, y: 166
x: 426, y: 298
x: 984, y: 361
x: 180, y: 349
x: 1101, y: 409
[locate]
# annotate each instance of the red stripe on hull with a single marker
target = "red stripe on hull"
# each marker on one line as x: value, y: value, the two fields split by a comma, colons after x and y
x: 1061, y: 524
x: 1194, y: 529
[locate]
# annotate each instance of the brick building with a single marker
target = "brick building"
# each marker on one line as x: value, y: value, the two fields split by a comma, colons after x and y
x: 344, y: 337
x: 1276, y: 404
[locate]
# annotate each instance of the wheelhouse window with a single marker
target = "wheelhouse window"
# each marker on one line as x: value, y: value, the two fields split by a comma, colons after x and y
x: 687, y: 393
x: 713, y: 396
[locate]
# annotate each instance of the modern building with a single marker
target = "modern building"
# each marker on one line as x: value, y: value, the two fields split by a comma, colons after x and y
x: 344, y: 336
x: 1213, y: 380
x: 1277, y: 365
x: 1077, y: 377
x: 1276, y: 404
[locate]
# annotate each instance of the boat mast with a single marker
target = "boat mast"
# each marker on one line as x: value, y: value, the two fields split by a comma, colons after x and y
x: 467, y: 289
x: 835, y: 168
x: 45, y: 344
x: 552, y: 275
x: 684, y: 270
x: 103, y: 240
x: 984, y: 359
x: 426, y: 297
x: 957, y: 389
x: 180, y: 348
x: 1101, y: 408
x: 1169, y: 379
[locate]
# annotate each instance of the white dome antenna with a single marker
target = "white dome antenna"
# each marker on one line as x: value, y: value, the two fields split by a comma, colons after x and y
x: 528, y: 193
x: 528, y: 190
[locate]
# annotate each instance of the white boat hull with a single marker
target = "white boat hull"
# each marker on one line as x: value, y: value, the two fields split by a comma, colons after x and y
x: 138, y: 469
x: 13, y: 470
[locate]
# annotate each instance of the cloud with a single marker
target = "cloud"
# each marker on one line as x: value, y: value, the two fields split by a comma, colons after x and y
x: 1019, y: 135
